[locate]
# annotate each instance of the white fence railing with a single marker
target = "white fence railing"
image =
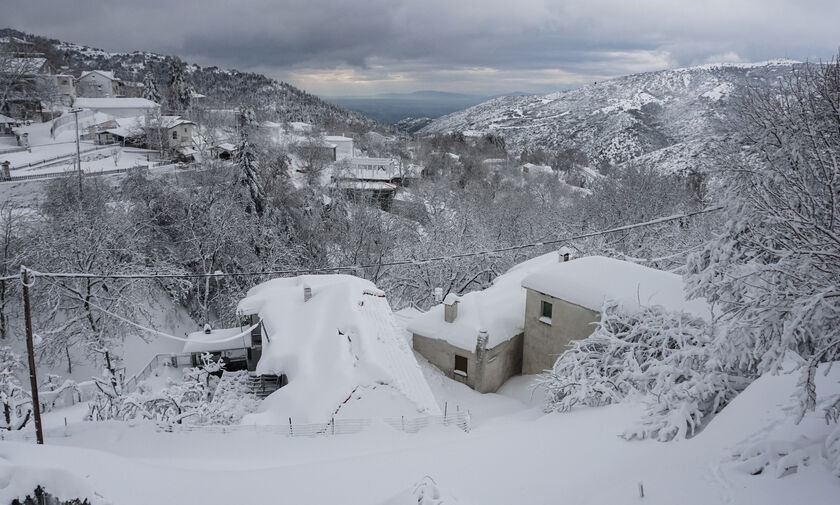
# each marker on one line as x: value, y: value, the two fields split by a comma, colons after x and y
x: 461, y: 419
x: 176, y: 360
x: 66, y: 121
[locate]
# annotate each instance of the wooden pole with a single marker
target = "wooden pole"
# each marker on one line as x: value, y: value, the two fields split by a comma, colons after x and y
x: 30, y: 351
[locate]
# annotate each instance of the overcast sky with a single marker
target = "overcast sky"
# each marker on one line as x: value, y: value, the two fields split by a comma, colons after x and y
x: 362, y: 47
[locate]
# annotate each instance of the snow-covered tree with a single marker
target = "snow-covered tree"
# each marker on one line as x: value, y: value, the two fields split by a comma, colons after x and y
x: 15, y: 401
x: 246, y: 159
x: 773, y: 272
x: 179, y: 93
x: 150, y: 90
x: 662, y: 357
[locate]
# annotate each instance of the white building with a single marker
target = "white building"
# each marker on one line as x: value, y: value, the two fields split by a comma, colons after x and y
x: 118, y: 107
x: 343, y: 146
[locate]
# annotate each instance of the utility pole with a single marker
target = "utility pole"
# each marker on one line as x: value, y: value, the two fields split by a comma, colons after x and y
x: 30, y: 351
x: 75, y: 112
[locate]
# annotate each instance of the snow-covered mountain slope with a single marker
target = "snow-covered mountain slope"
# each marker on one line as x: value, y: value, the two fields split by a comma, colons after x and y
x: 222, y: 87
x: 669, y: 118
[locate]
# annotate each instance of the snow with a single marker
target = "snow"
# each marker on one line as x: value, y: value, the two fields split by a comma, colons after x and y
x: 106, y: 74
x: 719, y: 92
x: 498, y: 310
x: 114, y: 103
x: 592, y: 280
x: 518, y: 455
x: 216, y: 340
x: 342, y: 343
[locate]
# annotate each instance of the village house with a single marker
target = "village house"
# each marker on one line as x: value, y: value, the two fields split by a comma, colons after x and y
x: 103, y: 84
x: 342, y: 145
x: 564, y: 301
x: 528, y: 317
x: 477, y: 338
x: 372, y: 179
x: 118, y: 107
x: 238, y: 348
x: 173, y: 132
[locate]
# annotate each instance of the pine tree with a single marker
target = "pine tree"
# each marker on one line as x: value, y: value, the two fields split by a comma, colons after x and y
x: 150, y: 91
x: 246, y: 160
x: 180, y: 92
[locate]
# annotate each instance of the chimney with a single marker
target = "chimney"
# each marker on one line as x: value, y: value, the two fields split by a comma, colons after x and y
x: 564, y: 254
x: 450, y: 308
x: 307, y: 293
x: 437, y: 293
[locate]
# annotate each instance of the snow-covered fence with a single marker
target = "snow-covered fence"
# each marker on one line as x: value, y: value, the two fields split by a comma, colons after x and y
x: 62, y: 157
x: 461, y: 419
x: 67, y: 121
x: 174, y: 360
x: 50, y: 175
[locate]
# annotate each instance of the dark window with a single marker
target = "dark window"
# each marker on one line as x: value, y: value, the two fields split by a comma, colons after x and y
x: 175, y: 135
x: 545, y: 311
x: 461, y: 364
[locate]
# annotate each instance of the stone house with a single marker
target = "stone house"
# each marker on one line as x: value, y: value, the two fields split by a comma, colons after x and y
x: 564, y: 301
x: 528, y: 317
x: 477, y: 338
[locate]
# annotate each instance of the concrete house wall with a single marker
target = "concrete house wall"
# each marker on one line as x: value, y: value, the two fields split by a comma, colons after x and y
x: 545, y: 341
x: 485, y: 374
x: 180, y: 136
x: 96, y: 85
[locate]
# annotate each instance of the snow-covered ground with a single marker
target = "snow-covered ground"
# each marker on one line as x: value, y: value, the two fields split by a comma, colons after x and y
x: 514, y: 454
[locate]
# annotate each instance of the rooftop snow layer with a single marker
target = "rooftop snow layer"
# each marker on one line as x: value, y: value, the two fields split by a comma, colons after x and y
x: 114, y: 103
x: 341, y: 342
x: 499, y: 309
x: 216, y: 340
x: 592, y: 280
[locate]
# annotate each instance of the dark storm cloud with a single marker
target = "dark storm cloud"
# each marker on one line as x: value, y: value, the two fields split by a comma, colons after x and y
x: 486, y: 45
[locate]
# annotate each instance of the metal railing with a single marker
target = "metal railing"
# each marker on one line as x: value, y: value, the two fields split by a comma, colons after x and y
x: 50, y: 175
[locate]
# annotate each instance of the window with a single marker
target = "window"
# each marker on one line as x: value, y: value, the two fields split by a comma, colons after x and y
x: 461, y: 365
x: 175, y: 135
x: 545, y: 312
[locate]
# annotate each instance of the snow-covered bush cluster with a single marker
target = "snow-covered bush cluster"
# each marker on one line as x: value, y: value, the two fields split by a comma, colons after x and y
x: 179, y: 400
x: 661, y: 356
x: 14, y: 400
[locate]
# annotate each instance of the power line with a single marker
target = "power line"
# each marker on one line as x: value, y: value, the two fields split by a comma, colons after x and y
x: 399, y: 262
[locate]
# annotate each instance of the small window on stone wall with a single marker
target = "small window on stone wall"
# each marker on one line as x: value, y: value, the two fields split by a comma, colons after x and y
x: 545, y: 312
x: 461, y: 365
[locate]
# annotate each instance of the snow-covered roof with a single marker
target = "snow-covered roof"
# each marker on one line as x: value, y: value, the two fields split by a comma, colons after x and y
x: 114, y: 103
x: 226, y: 146
x: 217, y: 340
x: 592, y: 280
x: 499, y: 309
x: 342, y: 342
x: 532, y: 168
x: 134, y: 125
x: 26, y: 65
x: 7, y: 119
x: 366, y: 185
x: 337, y: 138
x: 103, y: 73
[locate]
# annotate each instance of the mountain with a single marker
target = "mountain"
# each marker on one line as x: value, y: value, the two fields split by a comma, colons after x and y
x: 275, y: 100
x: 393, y: 107
x: 671, y: 119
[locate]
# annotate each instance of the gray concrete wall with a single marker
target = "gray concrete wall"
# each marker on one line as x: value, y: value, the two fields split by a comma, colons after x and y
x: 544, y: 342
x: 442, y: 354
x: 501, y: 362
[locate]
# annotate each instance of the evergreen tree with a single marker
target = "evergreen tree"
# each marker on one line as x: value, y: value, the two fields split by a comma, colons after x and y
x: 180, y: 92
x: 150, y: 91
x: 246, y: 160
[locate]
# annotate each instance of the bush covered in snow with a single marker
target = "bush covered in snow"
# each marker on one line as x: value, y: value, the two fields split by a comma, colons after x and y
x: 662, y: 356
x: 14, y: 400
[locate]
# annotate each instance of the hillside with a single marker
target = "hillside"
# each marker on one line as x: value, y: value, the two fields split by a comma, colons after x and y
x: 671, y: 118
x: 276, y: 100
